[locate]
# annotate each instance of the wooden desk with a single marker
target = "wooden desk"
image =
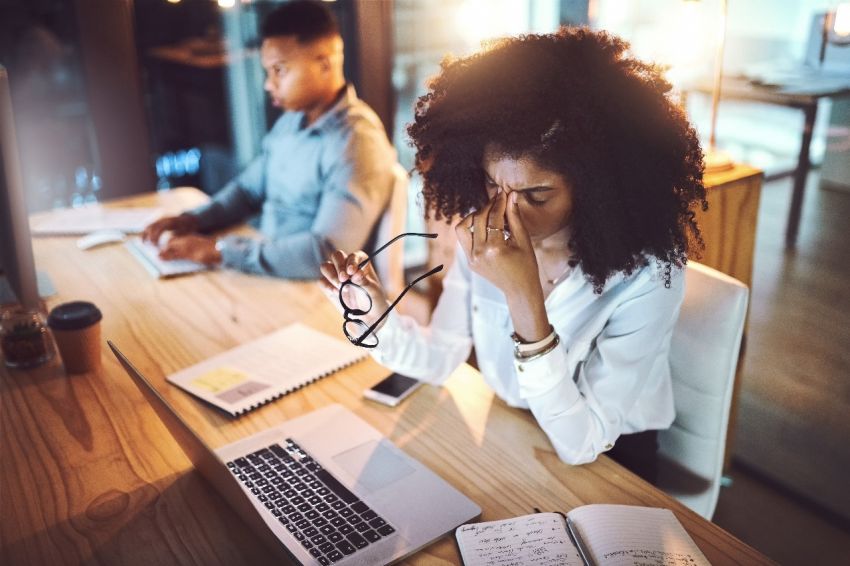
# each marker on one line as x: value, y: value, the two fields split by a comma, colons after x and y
x: 214, y: 56
x: 802, y: 94
x: 728, y: 229
x: 89, y: 474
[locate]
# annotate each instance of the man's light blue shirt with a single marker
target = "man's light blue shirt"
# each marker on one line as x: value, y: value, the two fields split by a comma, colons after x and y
x: 317, y: 188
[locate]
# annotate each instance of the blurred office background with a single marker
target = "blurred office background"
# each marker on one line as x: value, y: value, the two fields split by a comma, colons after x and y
x: 116, y: 97
x: 169, y: 92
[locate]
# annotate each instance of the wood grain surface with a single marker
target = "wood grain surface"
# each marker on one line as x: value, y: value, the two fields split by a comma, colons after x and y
x: 89, y: 475
x: 729, y: 232
x: 729, y: 225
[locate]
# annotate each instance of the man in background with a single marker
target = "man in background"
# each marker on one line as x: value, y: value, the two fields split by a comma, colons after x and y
x: 324, y: 176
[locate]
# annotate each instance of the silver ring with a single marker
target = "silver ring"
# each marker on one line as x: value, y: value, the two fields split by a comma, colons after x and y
x: 472, y: 228
x: 506, y: 234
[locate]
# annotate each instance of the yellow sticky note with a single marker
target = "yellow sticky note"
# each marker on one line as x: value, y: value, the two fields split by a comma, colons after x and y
x: 219, y: 379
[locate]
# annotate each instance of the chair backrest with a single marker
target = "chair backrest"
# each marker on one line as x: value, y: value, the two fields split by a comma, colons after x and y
x: 389, y: 264
x: 703, y: 359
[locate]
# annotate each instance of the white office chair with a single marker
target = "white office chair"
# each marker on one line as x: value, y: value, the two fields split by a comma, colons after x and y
x: 389, y: 264
x: 703, y: 359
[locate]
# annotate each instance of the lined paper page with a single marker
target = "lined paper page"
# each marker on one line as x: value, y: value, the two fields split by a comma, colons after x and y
x: 626, y: 535
x: 535, y: 540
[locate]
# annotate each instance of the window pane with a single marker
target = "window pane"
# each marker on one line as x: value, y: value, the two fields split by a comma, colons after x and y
x: 428, y: 30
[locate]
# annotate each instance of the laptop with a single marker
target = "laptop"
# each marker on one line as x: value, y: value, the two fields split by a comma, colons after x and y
x: 323, y: 488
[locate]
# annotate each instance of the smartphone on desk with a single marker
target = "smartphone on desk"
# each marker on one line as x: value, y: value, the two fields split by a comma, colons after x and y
x: 392, y: 390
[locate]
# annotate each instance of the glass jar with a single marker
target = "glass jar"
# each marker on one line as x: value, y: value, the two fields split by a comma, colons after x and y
x: 25, y: 340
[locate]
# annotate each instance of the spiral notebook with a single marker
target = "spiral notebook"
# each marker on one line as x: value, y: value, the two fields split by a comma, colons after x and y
x: 250, y: 375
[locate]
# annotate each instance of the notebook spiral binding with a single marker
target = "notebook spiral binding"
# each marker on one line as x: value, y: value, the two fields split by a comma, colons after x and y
x: 278, y: 395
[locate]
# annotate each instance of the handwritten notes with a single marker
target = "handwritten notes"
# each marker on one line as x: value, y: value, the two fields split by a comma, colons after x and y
x: 644, y: 557
x: 609, y: 535
x: 626, y: 535
x: 535, y: 540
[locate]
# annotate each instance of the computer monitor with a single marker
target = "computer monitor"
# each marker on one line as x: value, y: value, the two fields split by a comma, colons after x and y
x: 16, y: 259
x: 823, y: 53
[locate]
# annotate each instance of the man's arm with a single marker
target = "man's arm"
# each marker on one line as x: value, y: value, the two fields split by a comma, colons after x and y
x: 356, y: 190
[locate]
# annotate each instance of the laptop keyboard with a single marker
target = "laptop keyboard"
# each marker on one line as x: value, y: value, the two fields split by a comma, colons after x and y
x: 326, y: 518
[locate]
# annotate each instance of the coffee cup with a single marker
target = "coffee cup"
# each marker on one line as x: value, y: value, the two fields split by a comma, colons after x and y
x: 76, y: 331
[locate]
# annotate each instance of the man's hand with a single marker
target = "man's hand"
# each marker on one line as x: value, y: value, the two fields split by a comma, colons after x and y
x: 178, y: 225
x: 200, y: 249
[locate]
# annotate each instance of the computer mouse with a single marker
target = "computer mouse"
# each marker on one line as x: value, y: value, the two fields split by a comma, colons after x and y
x: 100, y: 238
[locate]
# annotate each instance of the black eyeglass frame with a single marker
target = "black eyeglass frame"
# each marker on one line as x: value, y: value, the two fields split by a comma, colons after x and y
x: 348, y: 312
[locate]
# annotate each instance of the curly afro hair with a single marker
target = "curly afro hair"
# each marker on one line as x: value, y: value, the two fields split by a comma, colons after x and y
x: 577, y: 103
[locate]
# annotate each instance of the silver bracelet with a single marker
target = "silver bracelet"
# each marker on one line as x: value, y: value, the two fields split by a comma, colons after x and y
x: 533, y: 357
x: 521, y: 348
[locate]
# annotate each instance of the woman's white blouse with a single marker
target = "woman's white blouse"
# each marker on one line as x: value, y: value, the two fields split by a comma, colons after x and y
x: 609, y: 375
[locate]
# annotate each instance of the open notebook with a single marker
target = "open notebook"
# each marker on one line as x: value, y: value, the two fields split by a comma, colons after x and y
x: 615, y: 535
x: 148, y: 256
x: 258, y: 372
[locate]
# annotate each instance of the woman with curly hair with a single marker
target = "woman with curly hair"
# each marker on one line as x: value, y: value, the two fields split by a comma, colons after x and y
x: 575, y: 179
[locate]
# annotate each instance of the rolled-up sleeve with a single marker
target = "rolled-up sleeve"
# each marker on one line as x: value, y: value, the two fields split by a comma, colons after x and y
x: 582, y: 392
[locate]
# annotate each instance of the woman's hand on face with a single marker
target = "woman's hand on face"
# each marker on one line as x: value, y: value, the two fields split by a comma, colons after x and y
x: 510, y: 264
x: 341, y: 267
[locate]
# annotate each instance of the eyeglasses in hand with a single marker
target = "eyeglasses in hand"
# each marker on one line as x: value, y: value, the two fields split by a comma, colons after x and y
x: 357, y: 331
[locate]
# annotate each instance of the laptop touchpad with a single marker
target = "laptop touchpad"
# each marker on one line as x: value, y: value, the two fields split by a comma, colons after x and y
x: 373, y: 465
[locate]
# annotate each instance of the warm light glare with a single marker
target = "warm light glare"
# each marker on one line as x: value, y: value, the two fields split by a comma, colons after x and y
x: 480, y: 20
x: 472, y: 400
x: 842, y: 20
x: 226, y: 3
x: 173, y: 1
x: 683, y: 47
x: 688, y: 48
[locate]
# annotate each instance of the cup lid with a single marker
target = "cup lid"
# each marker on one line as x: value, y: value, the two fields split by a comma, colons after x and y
x: 73, y: 316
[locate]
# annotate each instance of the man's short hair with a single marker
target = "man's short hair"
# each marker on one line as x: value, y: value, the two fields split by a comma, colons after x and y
x: 307, y: 20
